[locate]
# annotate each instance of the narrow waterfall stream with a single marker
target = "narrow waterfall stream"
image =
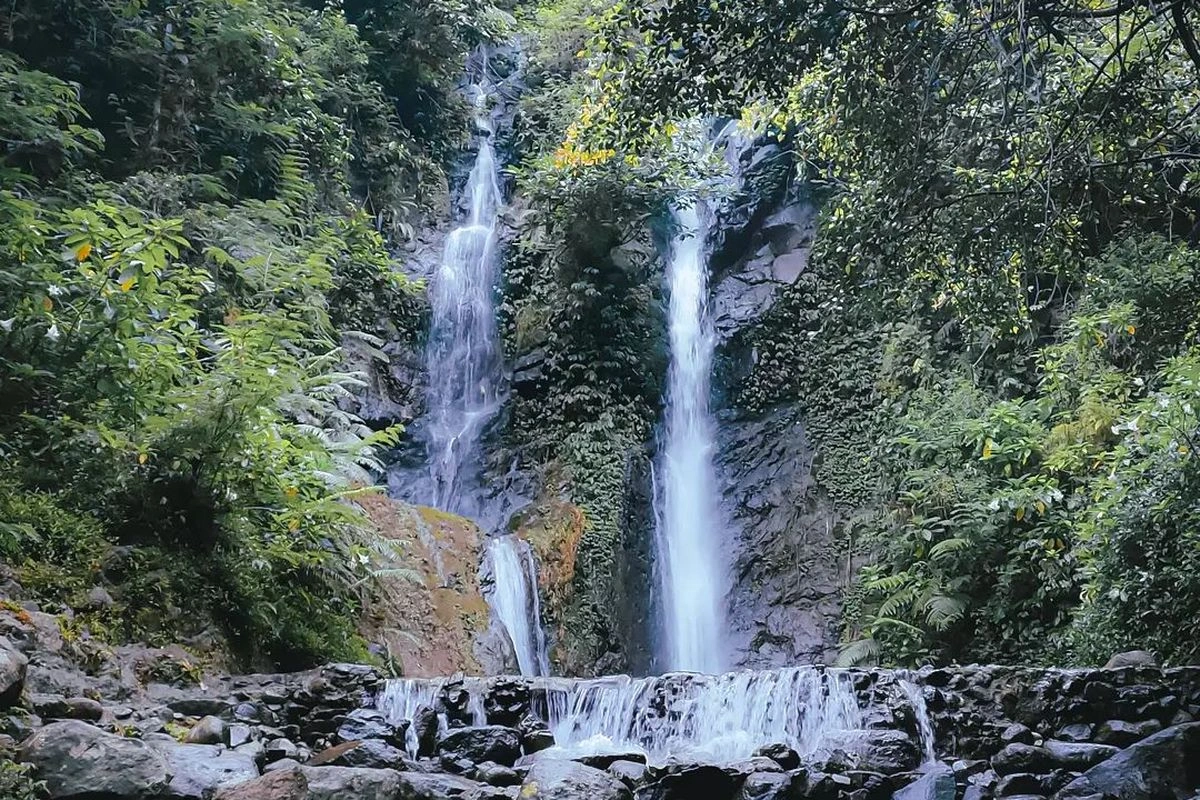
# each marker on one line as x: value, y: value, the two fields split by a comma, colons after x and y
x: 692, y: 577
x: 515, y: 601
x: 463, y: 358
x: 464, y: 365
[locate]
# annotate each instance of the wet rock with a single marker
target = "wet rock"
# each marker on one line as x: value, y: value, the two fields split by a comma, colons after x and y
x: 630, y: 773
x: 281, y: 764
x: 937, y: 783
x: 604, y: 760
x: 283, y: 784
x: 1020, y: 734
x: 1164, y: 766
x: 1022, y: 758
x: 425, y: 729
x: 767, y: 786
x: 559, y: 779
x: 341, y: 783
x: 1132, y: 658
x: 1079, y: 756
x: 1122, y: 734
x: 427, y: 786
x: 1077, y: 732
x: 875, y: 750
x: 497, y: 775
x: 367, y: 753
x: 13, y: 669
x: 1019, y: 783
x: 209, y: 730
x: 77, y: 760
x: 781, y: 754
x: 199, y: 770
x: 56, y: 707
x: 485, y: 743
x: 366, y: 723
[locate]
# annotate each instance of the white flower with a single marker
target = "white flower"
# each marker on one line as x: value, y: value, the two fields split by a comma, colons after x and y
x: 55, y: 291
x: 7, y: 324
x: 53, y: 333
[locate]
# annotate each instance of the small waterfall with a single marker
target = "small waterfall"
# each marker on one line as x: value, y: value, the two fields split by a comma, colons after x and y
x: 692, y: 578
x: 916, y: 698
x: 515, y: 601
x: 722, y: 718
x: 463, y: 358
x: 400, y: 700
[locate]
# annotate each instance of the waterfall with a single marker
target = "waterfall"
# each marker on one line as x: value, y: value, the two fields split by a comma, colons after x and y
x: 515, y: 601
x: 916, y: 698
x: 462, y: 359
x: 691, y: 575
x: 718, y: 718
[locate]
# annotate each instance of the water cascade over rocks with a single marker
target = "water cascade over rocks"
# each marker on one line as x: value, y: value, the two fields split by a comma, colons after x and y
x: 463, y: 358
x: 465, y: 392
x: 515, y: 601
x: 692, y: 578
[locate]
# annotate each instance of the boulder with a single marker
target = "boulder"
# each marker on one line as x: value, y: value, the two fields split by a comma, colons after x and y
x: 937, y: 783
x: 1164, y: 766
x: 1079, y: 756
x: 484, y: 743
x: 341, y: 783
x: 13, y: 667
x: 237, y: 734
x: 692, y: 782
x: 369, y: 753
x: 781, y: 754
x: 1018, y: 757
x: 209, y: 730
x: 497, y: 775
x: 283, y: 784
x: 631, y: 773
x: 51, y: 706
x: 432, y: 786
x: 199, y: 770
x: 366, y: 723
x: 767, y: 786
x: 1020, y: 734
x: 425, y: 730
x: 77, y: 760
x: 1132, y: 658
x: 1120, y: 733
x: 559, y: 779
x: 603, y: 760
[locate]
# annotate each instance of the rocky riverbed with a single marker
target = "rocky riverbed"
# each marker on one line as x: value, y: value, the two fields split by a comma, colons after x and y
x: 997, y: 732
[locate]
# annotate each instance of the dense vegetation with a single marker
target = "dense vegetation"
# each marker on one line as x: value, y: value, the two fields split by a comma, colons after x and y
x: 998, y: 338
x: 192, y: 196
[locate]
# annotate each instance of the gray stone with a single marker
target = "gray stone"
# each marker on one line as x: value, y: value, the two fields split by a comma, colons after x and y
x: 77, y: 760
x: 787, y: 267
x: 1122, y: 734
x: 209, y: 730
x: 13, y: 668
x: 937, y: 783
x: 342, y: 783
x: 431, y: 786
x: 283, y: 763
x: 1079, y: 756
x: 237, y: 734
x: 1078, y: 732
x: 1132, y: 658
x: 283, y: 784
x: 484, y: 743
x: 1022, y: 758
x: 280, y: 747
x: 603, y: 760
x: 1019, y: 783
x: 425, y: 729
x: 1164, y: 766
x: 1020, y: 734
x: 781, y: 754
x: 630, y: 773
x: 198, y: 770
x: 767, y: 786
x: 372, y: 754
x: 55, y: 707
x: 559, y: 779
x: 366, y: 723
x: 497, y: 775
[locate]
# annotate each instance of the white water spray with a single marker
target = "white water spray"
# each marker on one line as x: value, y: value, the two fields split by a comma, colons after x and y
x: 916, y: 698
x: 692, y: 576
x: 463, y: 358
x: 515, y: 601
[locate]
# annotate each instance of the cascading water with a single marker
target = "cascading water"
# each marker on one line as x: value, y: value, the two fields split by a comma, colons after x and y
x: 692, y: 578
x: 463, y: 358
x: 515, y: 601
x: 916, y: 698
x: 464, y: 367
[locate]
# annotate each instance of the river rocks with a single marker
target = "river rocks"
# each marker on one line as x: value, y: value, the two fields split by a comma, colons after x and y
x: 1122, y: 734
x: 77, y: 760
x: 559, y: 779
x: 936, y: 784
x: 425, y: 730
x: 51, y: 707
x: 486, y: 743
x: 630, y: 773
x: 1132, y: 658
x: 13, y: 667
x: 368, y: 753
x: 1078, y: 756
x: 285, y: 784
x: 1165, y: 766
x: 209, y: 730
x: 198, y: 770
x: 781, y: 754
x: 366, y: 723
x: 1018, y: 757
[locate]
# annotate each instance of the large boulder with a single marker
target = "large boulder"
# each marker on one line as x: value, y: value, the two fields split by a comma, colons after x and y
x: 284, y: 784
x: 692, y: 782
x: 434, y: 786
x: 559, y: 779
x: 366, y: 723
x: 1165, y: 766
x: 199, y: 770
x: 77, y: 760
x: 320, y: 783
x: 1079, y: 756
x: 13, y: 666
x: 484, y: 743
x: 1132, y: 658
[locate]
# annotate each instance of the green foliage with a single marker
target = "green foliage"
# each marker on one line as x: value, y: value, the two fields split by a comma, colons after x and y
x: 17, y: 783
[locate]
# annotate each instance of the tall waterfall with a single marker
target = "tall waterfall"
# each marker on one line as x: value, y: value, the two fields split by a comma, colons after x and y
x: 464, y: 368
x: 515, y: 602
x: 463, y: 358
x: 692, y: 575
